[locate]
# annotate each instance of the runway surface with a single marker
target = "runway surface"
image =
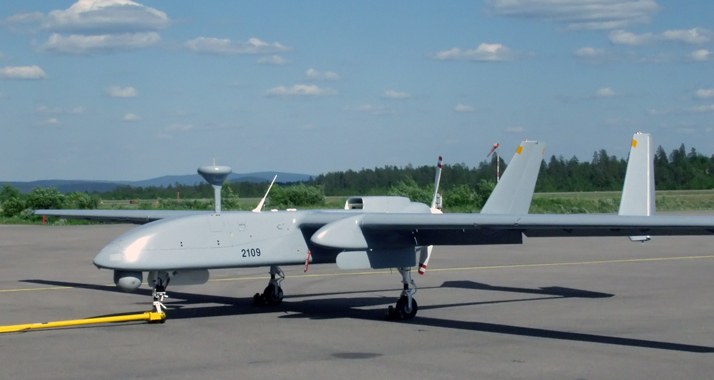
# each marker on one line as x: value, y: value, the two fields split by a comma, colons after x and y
x: 578, y: 308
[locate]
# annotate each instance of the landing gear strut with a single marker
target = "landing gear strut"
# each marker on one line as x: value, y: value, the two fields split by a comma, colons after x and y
x: 406, y: 307
x: 159, y: 282
x: 273, y: 293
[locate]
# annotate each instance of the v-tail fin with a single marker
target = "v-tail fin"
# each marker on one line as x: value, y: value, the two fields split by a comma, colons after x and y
x: 638, y: 194
x: 514, y: 192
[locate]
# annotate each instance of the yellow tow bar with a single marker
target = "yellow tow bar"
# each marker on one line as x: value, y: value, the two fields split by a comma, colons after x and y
x: 149, y: 316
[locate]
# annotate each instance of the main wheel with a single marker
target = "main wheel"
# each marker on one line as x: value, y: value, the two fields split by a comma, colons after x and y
x: 270, y: 297
x: 401, y: 308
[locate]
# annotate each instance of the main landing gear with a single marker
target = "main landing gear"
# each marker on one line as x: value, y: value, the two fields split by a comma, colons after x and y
x: 406, y: 307
x: 273, y: 293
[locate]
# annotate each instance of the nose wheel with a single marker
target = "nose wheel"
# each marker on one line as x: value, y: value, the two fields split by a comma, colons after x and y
x: 406, y: 307
x: 273, y: 293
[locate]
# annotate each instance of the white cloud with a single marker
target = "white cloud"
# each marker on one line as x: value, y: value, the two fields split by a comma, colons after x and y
x: 300, y: 90
x: 704, y: 93
x: 96, y: 17
x: 701, y: 55
x: 621, y: 37
x: 218, y: 46
x: 313, y: 74
x: 391, y: 94
x: 371, y: 109
x: 81, y: 44
x: 708, y: 108
x: 22, y: 72
x: 131, y: 117
x: 596, y: 56
x: 52, y: 121
x: 515, y: 130
x: 48, y: 110
x: 579, y: 14
x: 57, y: 110
x: 691, y: 36
x: 178, y: 128
x: 605, y: 92
x: 484, y: 52
x: 463, y: 108
x: 119, y: 92
x: 272, y: 60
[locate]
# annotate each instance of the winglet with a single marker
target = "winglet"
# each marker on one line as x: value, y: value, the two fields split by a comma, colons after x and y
x: 513, y: 194
x: 262, y: 201
x: 638, y: 194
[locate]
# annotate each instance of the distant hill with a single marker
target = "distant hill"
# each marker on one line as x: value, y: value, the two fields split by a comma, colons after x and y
x: 68, y: 186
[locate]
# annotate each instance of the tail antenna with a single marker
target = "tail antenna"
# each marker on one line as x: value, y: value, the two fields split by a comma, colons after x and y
x: 262, y: 201
x: 437, y: 178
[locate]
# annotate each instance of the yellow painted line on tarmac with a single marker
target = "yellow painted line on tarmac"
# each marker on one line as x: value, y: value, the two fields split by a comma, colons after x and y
x: 376, y: 272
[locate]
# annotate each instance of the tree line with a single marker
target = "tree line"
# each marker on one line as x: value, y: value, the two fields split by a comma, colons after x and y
x: 464, y: 188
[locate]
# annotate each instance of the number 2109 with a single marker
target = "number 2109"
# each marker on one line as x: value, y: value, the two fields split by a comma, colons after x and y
x: 252, y: 252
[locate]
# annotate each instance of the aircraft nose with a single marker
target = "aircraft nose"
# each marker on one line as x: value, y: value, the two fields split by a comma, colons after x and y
x: 110, y: 256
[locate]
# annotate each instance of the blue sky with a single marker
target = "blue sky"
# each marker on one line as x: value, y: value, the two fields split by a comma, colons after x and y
x: 123, y: 90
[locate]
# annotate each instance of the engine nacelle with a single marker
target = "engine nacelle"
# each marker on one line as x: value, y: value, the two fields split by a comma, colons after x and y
x: 128, y: 281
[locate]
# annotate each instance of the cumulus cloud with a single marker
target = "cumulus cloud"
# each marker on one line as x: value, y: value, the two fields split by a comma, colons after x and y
x: 463, y: 108
x: 579, y: 14
x: 224, y: 46
x: 596, y: 56
x: 484, y: 53
x: 22, y: 72
x: 272, y: 60
x: 621, y: 37
x: 122, y: 92
x: 370, y: 109
x: 704, y: 93
x: 131, y: 117
x: 701, y: 55
x: 96, y: 17
x: 515, y: 130
x: 691, y: 36
x: 391, y: 94
x: 299, y: 90
x: 51, y: 121
x: 605, y: 92
x: 81, y: 44
x: 312, y: 74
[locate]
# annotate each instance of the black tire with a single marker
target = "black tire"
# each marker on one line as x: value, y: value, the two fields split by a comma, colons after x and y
x: 270, y: 297
x: 401, y: 308
x: 258, y: 300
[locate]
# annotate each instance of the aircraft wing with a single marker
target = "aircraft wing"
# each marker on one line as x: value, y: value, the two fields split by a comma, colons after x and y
x: 392, y: 230
x: 120, y: 216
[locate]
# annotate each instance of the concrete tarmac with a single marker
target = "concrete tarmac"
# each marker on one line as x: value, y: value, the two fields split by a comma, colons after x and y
x: 569, y: 308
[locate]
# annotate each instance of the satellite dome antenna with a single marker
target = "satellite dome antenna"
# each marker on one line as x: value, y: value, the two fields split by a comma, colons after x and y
x: 215, y: 176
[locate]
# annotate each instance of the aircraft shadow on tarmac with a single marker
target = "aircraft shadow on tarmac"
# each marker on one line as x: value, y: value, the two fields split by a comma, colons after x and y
x: 333, y: 308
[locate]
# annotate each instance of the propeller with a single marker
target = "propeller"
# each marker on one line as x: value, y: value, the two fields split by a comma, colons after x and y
x: 425, y: 252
